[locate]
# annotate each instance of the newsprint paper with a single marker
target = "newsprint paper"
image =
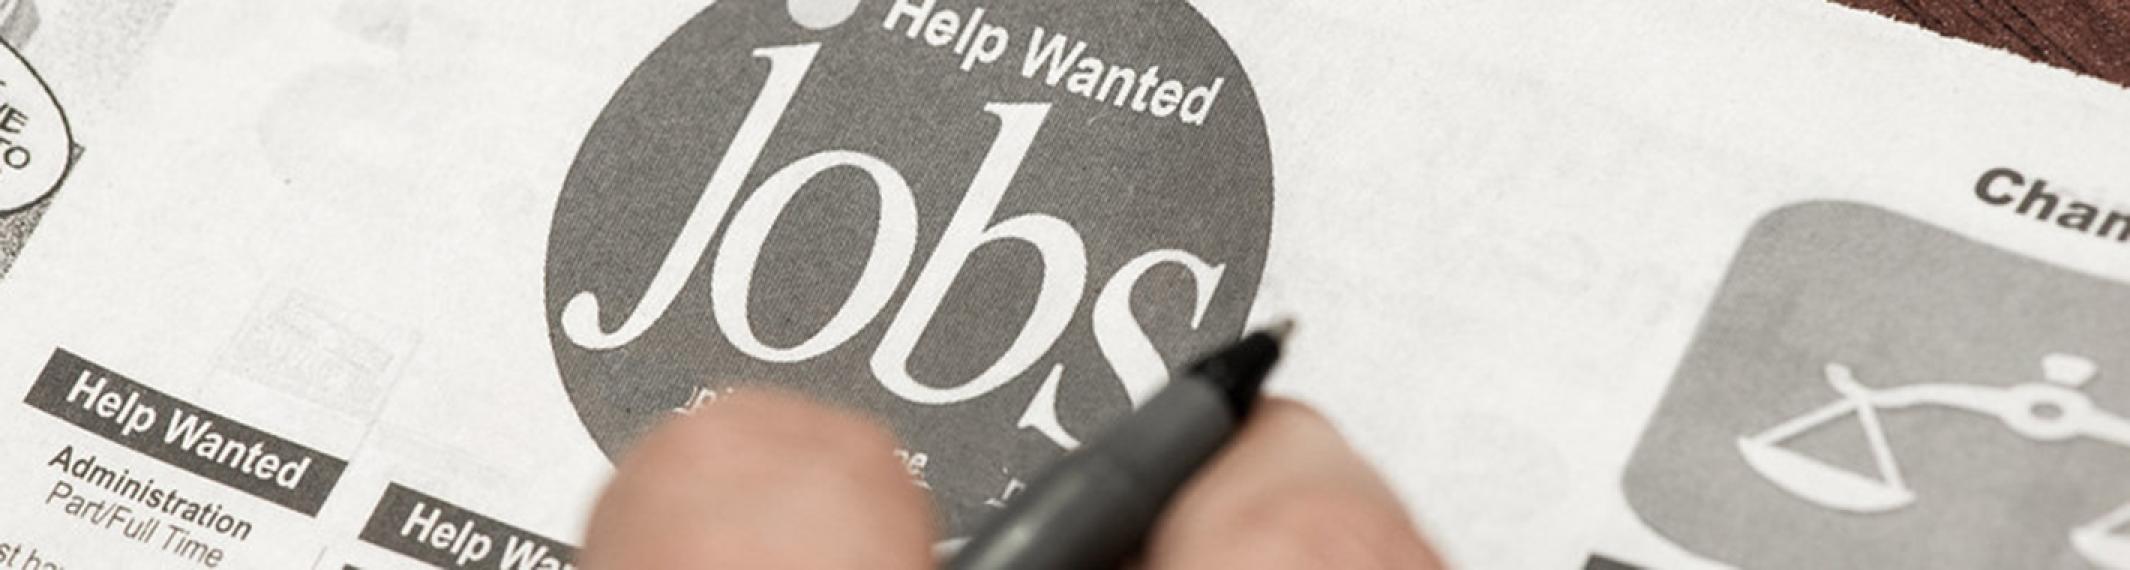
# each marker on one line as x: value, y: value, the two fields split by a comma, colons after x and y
x: 1620, y: 283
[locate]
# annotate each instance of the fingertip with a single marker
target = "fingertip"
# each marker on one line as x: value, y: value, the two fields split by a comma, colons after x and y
x: 770, y: 417
x: 1289, y: 491
x: 1288, y: 417
x: 762, y: 479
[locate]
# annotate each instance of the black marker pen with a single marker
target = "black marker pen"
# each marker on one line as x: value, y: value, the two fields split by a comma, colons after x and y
x: 1094, y: 508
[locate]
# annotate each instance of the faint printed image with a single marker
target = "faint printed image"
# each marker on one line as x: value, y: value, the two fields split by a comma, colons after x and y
x: 1867, y: 391
x: 334, y: 356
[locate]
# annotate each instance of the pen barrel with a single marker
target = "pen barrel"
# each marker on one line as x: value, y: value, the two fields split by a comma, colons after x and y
x: 1094, y: 508
x: 1162, y: 443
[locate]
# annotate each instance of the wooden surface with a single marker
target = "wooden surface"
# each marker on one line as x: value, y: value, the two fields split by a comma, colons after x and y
x: 2087, y: 36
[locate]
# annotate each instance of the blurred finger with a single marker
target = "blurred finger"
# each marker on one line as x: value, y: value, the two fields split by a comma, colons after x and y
x: 762, y: 480
x: 1288, y: 493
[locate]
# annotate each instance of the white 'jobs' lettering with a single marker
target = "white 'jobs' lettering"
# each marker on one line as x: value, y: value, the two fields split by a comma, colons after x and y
x: 580, y: 318
x: 1064, y: 271
x: 1063, y: 255
x: 733, y: 274
x: 1117, y: 331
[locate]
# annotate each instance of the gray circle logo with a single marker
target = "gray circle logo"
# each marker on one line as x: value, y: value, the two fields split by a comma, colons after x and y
x: 993, y: 226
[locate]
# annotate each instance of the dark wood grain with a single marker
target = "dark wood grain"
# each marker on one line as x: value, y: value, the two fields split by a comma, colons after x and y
x: 2086, y: 36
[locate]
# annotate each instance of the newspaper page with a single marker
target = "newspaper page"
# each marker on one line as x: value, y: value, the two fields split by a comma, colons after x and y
x: 1731, y: 283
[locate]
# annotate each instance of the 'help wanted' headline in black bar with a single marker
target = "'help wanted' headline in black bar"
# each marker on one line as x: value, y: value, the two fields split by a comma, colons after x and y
x: 431, y: 530
x: 119, y: 409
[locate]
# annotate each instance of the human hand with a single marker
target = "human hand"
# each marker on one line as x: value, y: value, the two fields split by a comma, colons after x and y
x: 766, y: 480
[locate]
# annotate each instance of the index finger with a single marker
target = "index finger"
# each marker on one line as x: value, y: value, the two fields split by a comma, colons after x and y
x: 1288, y: 493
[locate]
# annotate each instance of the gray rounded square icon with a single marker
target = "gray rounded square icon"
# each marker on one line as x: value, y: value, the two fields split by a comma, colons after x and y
x: 1868, y: 391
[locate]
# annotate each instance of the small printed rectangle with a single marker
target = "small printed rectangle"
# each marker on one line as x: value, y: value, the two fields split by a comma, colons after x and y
x: 122, y: 410
x: 431, y: 530
x: 330, y: 355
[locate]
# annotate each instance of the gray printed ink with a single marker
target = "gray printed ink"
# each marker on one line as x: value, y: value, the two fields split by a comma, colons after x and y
x: 896, y: 206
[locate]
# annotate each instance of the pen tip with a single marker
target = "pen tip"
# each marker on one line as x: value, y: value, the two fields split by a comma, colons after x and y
x: 1280, y: 329
x: 1239, y: 370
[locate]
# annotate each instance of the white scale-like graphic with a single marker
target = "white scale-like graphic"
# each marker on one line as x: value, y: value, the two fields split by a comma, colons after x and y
x: 2050, y: 410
